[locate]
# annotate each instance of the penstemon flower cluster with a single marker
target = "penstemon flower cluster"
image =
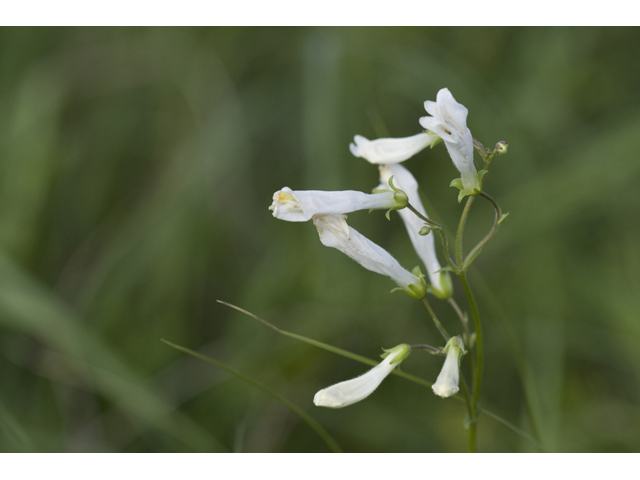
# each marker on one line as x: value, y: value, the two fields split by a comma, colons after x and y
x: 398, y: 191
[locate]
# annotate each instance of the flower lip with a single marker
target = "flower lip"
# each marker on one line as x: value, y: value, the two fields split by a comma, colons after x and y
x: 448, y: 120
x: 390, y: 150
x: 302, y: 205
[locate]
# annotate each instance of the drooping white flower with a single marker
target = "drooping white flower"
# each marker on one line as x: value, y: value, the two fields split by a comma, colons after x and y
x: 423, y: 244
x: 390, y: 150
x: 352, y: 391
x: 335, y: 232
x: 449, y: 378
x: 448, y: 120
x: 301, y: 205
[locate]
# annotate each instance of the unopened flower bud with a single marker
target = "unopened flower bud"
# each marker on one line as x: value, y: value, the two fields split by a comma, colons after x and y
x: 502, y: 147
x: 426, y: 230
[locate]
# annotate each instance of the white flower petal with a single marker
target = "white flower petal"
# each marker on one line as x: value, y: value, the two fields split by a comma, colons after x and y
x: 390, y: 150
x: 301, y: 205
x: 449, y: 121
x: 423, y: 245
x: 351, y: 391
x: 449, y: 378
x: 335, y: 232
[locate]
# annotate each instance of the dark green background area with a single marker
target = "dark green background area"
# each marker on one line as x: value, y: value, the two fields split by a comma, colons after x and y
x: 136, y: 168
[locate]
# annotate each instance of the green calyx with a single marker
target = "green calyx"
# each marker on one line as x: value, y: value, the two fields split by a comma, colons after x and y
x: 414, y: 290
x: 401, y: 198
x: 398, y: 195
x: 403, y: 352
x: 477, y: 190
x: 446, y: 290
x: 455, y: 343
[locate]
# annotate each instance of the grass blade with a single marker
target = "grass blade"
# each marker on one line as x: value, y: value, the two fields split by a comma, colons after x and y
x: 322, y: 433
x: 26, y: 306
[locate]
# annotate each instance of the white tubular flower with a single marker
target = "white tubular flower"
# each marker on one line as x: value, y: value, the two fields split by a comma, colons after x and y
x: 424, y: 245
x: 301, y: 205
x: 352, y: 391
x: 449, y: 378
x: 448, y: 120
x: 335, y: 232
x: 391, y: 150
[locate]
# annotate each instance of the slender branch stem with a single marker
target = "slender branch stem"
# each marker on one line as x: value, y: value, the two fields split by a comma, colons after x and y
x: 436, y: 226
x: 439, y: 326
x: 463, y: 320
x: 463, y: 219
x: 467, y: 333
x: 445, y: 247
x: 426, y: 219
x: 474, y: 252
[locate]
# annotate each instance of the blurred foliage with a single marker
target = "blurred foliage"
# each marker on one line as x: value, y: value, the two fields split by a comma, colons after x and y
x: 136, y: 168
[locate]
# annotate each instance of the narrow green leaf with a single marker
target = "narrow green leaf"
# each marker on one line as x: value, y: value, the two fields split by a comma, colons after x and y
x: 304, y: 416
x: 369, y: 361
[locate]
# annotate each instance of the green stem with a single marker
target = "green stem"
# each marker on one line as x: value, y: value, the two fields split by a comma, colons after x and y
x: 439, y: 326
x: 426, y: 219
x: 463, y: 220
x: 467, y: 401
x: 496, y: 223
x: 477, y: 374
x: 373, y: 363
x: 463, y: 319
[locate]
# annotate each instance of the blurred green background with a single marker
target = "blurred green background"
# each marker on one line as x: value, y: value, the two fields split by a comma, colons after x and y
x: 136, y: 168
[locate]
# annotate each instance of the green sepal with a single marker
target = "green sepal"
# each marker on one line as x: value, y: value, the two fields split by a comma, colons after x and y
x: 404, y: 349
x: 417, y: 272
x: 417, y: 291
x: 448, y: 268
x: 380, y: 190
x: 447, y: 285
x: 503, y: 217
x: 455, y: 342
x: 426, y: 230
x: 387, y: 214
x: 457, y: 182
x: 399, y: 196
x: 413, y: 290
